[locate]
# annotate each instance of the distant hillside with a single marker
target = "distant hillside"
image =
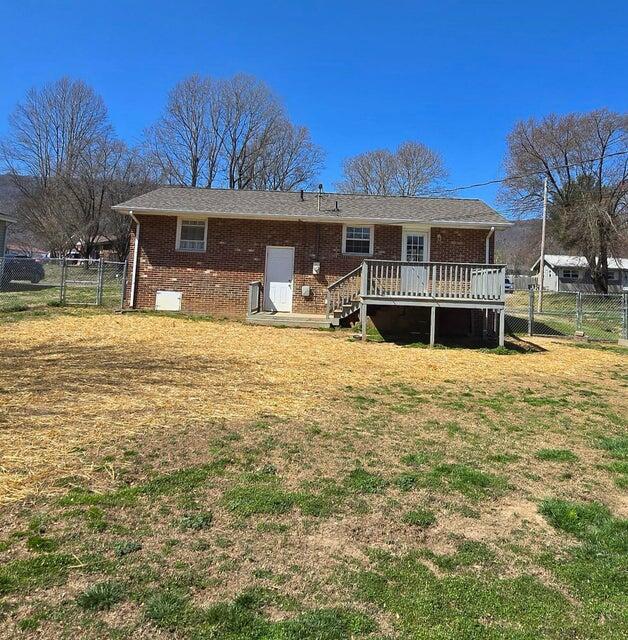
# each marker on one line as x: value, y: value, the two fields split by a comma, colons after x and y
x: 519, y: 246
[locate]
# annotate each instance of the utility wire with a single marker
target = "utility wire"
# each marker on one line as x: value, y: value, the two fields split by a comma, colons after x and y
x: 534, y: 173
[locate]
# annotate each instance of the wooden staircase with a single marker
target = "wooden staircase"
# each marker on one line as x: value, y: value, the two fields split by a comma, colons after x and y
x: 343, y: 296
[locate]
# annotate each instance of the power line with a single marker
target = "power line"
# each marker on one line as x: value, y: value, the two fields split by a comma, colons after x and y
x: 534, y: 173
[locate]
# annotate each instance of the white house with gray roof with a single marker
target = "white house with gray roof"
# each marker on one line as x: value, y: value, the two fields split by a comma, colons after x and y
x: 571, y: 273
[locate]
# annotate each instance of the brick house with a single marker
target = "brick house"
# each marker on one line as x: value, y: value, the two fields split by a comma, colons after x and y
x: 313, y: 258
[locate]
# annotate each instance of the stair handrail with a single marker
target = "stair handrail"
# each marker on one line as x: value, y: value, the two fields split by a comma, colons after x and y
x: 339, y: 283
x: 334, y: 285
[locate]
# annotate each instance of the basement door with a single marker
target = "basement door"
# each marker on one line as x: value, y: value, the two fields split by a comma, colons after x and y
x: 279, y: 279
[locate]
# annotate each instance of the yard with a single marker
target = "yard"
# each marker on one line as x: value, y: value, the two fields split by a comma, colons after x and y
x: 166, y: 477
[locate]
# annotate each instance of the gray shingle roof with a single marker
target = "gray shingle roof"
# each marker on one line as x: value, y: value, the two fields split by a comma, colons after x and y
x: 288, y: 205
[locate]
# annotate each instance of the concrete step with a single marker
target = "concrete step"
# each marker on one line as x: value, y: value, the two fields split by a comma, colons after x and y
x: 306, y: 321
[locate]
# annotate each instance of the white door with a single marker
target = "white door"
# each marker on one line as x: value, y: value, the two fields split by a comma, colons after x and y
x: 414, y: 249
x: 279, y: 277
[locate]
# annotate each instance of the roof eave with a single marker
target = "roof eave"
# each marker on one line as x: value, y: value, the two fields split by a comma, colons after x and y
x: 125, y: 209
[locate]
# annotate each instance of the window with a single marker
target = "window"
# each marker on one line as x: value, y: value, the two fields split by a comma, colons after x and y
x: 613, y: 276
x: 191, y: 235
x: 357, y: 240
x: 570, y: 274
x: 414, y: 250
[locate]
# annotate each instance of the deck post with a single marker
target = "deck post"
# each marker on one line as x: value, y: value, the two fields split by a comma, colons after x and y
x: 363, y: 320
x: 502, y: 326
x: 432, y: 325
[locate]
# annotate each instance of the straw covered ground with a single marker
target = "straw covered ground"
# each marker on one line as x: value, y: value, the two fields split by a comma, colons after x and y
x: 176, y: 477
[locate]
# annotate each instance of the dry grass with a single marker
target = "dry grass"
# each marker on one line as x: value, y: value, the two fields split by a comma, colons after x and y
x: 72, y: 385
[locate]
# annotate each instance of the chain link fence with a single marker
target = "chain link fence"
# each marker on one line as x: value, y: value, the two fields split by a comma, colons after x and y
x: 30, y: 283
x: 597, y: 316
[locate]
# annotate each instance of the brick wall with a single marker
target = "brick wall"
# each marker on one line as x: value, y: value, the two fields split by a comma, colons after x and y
x: 216, y: 281
x: 460, y: 245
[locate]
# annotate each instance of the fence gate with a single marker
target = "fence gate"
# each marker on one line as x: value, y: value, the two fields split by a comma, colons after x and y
x: 81, y: 281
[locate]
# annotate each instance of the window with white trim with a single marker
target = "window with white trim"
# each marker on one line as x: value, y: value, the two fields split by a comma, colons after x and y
x: 570, y: 274
x: 357, y: 240
x: 191, y: 235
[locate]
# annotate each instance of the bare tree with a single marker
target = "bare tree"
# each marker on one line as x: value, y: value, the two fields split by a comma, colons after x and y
x: 412, y: 169
x: 418, y: 170
x: 185, y: 143
x: 584, y: 158
x: 232, y: 132
x: 289, y: 161
x: 253, y: 116
x: 65, y: 160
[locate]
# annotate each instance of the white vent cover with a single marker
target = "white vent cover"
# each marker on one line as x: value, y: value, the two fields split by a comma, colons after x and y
x: 168, y: 301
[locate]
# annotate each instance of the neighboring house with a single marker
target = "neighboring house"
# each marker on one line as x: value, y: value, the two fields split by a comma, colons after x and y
x: 571, y: 273
x: 275, y: 256
x: 4, y: 223
x: 5, y: 220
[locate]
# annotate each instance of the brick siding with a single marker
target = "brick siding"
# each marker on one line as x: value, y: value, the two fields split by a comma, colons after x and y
x: 216, y: 281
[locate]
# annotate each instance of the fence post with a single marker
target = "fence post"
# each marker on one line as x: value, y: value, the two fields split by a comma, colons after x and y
x: 124, y: 268
x: 579, y: 311
x: 63, y: 277
x: 531, y: 312
x: 625, y: 317
x: 99, y: 287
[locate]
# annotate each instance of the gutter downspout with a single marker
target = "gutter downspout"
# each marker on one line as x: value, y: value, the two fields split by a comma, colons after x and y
x: 488, y: 245
x: 136, y: 247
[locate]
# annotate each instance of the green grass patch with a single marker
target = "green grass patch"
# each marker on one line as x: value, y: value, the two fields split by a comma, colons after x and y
x: 422, y: 518
x: 407, y: 481
x: 424, y: 606
x: 467, y: 480
x: 101, y: 596
x: 33, y: 573
x: 179, y: 481
x: 556, y: 455
x: 39, y: 543
x: 243, y: 619
x: 196, y: 521
x: 616, y: 446
x: 360, y: 480
x: 596, y: 569
x: 260, y: 493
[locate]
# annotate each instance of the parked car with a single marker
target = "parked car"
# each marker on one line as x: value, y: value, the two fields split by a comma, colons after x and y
x: 21, y: 267
x: 509, y: 286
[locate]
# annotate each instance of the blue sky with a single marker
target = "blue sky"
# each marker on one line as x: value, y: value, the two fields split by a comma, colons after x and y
x: 360, y: 74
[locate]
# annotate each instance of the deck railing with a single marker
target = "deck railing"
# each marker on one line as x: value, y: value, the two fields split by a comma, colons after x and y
x: 443, y: 280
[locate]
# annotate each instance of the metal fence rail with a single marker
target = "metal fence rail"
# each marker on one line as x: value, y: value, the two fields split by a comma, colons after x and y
x: 597, y: 316
x: 29, y: 282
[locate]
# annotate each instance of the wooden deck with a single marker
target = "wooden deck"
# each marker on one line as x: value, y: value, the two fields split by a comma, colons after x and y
x: 427, y: 284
